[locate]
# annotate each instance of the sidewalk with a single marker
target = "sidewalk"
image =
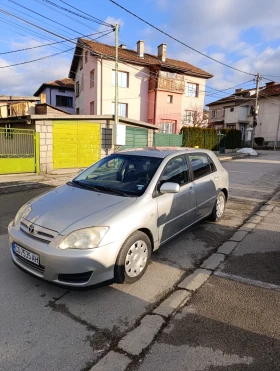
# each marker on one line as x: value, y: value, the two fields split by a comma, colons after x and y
x: 19, y: 182
x: 232, y: 322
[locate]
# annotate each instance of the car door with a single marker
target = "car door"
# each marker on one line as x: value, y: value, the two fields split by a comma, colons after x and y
x: 175, y: 211
x: 204, y: 174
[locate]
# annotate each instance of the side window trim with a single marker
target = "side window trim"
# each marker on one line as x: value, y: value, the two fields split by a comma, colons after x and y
x: 210, y: 160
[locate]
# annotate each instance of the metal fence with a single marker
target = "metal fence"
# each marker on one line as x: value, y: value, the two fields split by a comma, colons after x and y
x: 16, y: 143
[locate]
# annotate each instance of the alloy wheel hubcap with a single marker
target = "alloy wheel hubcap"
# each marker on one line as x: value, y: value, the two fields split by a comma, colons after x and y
x: 220, y: 206
x: 136, y: 258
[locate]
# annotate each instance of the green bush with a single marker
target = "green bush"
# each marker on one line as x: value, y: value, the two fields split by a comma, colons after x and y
x: 209, y: 138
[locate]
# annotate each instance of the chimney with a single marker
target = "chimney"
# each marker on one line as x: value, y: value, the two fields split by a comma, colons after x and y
x: 162, y: 52
x: 239, y: 90
x: 122, y: 46
x: 270, y: 83
x: 140, y: 48
x: 43, y: 98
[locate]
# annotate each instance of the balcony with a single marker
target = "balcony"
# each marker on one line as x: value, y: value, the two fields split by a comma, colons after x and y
x: 173, y: 85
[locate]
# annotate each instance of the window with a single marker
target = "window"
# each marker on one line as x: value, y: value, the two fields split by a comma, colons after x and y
x: 77, y: 111
x: 128, y: 174
x: 167, y: 127
x: 232, y: 127
x: 91, y: 108
x: 170, y: 99
x: 91, y: 77
x: 122, y: 79
x: 123, y: 109
x: 232, y: 109
x: 86, y: 56
x: 189, y: 117
x: 176, y: 171
x: 61, y: 90
x: 191, y: 90
x: 200, y: 165
x: 214, y: 114
x: 63, y: 101
x: 77, y: 88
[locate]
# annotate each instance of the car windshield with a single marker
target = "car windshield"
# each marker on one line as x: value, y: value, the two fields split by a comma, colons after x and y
x: 124, y: 175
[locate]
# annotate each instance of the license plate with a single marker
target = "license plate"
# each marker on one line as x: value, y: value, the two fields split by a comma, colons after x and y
x: 26, y: 254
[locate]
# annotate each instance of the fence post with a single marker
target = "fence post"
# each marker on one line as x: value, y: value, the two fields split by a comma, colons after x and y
x: 37, y: 152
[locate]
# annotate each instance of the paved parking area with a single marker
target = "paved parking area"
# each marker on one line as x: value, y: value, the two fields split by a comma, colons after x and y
x: 48, y: 328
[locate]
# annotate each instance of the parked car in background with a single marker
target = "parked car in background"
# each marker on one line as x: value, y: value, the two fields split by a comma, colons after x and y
x: 106, y: 222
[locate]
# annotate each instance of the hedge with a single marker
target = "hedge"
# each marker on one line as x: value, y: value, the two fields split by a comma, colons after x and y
x: 209, y: 138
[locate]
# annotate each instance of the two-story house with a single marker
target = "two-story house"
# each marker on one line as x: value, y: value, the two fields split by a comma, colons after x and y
x: 154, y: 89
x: 59, y: 94
x: 236, y: 112
x: 233, y: 112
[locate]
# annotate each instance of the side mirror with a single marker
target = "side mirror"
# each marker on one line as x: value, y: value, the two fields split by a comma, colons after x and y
x: 169, y: 187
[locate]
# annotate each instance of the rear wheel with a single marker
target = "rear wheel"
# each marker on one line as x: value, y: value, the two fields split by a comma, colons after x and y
x: 219, y: 208
x: 133, y: 258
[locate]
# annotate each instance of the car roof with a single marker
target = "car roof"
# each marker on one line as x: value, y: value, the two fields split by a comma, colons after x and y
x: 160, y: 152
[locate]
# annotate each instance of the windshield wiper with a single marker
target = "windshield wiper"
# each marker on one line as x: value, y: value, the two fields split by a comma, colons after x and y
x: 109, y: 189
x: 98, y: 188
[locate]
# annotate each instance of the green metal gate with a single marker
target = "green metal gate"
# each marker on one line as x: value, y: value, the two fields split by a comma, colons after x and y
x: 17, y: 151
x: 135, y: 138
x: 168, y: 140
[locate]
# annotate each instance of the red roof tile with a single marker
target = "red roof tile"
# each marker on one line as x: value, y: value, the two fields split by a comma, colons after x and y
x: 131, y: 56
x: 66, y: 83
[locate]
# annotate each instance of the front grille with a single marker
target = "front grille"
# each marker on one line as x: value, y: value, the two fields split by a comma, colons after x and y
x: 39, y: 233
x: 29, y: 264
x: 75, y: 278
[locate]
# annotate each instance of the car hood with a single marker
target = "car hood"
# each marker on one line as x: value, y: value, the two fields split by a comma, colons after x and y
x: 69, y: 208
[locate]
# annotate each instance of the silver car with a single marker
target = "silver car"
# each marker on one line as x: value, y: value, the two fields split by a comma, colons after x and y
x: 106, y: 222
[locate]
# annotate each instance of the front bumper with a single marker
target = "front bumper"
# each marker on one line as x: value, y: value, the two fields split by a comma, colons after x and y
x: 71, y: 267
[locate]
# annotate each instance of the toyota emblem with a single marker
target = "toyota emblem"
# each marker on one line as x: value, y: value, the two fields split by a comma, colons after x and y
x: 31, y: 228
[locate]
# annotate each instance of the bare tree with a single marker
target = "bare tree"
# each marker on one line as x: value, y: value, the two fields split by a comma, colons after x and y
x: 195, y: 117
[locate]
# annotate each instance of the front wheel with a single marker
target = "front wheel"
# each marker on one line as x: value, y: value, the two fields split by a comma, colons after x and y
x: 133, y: 258
x: 219, y: 208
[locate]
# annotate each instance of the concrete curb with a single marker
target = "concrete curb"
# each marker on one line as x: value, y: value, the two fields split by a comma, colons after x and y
x: 141, y: 337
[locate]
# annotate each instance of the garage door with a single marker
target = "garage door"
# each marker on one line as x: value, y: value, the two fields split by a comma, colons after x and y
x: 136, y: 138
x: 75, y: 144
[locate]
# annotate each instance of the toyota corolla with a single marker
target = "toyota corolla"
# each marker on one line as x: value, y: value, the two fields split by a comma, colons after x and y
x: 106, y: 222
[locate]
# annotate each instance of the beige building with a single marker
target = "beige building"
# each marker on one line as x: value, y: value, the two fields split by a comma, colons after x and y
x: 152, y: 88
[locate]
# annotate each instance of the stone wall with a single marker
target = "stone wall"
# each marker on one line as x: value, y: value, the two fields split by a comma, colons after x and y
x: 46, y: 145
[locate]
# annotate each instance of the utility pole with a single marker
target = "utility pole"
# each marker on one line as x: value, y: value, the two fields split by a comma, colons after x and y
x: 116, y: 76
x: 277, y: 133
x: 256, y: 110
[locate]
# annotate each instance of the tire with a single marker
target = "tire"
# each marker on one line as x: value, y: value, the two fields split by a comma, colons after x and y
x: 219, y: 208
x: 137, y: 246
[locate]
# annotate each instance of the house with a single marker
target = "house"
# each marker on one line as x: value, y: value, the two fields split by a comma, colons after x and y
x: 155, y: 89
x: 59, y: 94
x: 15, y: 109
x: 268, y: 120
x: 236, y: 112
x: 233, y: 112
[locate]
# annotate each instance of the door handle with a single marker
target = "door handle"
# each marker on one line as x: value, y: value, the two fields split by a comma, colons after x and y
x: 191, y: 189
x: 216, y: 178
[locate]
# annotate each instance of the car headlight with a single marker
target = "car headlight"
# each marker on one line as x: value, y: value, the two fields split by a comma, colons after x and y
x: 22, y: 213
x: 87, y: 238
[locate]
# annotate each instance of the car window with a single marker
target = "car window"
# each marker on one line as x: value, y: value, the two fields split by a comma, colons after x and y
x: 200, y: 165
x: 176, y: 171
x: 130, y: 174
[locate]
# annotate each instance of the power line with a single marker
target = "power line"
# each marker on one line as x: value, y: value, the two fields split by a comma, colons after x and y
x: 41, y: 58
x: 43, y: 45
x: 93, y: 19
x: 180, y: 42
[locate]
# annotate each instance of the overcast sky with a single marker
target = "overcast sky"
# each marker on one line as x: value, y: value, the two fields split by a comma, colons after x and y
x: 242, y: 33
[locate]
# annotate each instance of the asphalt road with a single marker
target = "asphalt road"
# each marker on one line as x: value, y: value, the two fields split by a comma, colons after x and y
x: 44, y: 327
